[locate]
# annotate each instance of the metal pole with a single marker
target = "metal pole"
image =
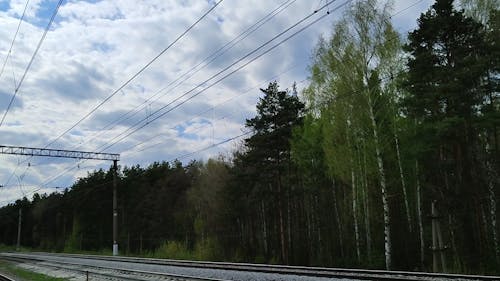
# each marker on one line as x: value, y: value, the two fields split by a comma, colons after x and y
x: 440, y: 243
x: 115, y: 212
x: 434, y: 237
x: 18, y: 246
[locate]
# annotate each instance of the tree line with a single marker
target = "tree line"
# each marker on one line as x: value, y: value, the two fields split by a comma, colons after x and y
x: 344, y: 173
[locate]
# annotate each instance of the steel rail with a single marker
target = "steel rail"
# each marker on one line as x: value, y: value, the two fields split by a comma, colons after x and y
x: 366, y: 274
x: 5, y: 278
x: 123, y: 274
x: 80, y: 271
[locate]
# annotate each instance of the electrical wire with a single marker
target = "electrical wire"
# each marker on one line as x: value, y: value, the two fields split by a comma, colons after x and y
x: 123, y: 85
x: 56, y: 10
x: 227, y: 75
x: 131, y: 129
x: 224, y: 77
x: 14, y: 38
x: 227, y: 140
x: 211, y: 146
x: 195, y: 69
x: 135, y: 75
x: 244, y: 92
x: 51, y: 179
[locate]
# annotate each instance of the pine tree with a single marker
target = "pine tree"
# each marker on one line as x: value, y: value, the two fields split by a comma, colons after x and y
x: 448, y: 61
x: 268, y: 149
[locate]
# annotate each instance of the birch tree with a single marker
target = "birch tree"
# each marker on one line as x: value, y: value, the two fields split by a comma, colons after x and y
x: 346, y: 78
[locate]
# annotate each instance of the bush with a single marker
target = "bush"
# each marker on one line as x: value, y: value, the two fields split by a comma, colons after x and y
x: 173, y: 250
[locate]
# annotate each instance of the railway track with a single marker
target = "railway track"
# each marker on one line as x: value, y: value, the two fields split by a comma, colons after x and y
x: 225, y: 270
x: 5, y: 278
x: 93, y: 272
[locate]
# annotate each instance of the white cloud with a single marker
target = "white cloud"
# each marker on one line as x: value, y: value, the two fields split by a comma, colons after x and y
x: 95, y: 46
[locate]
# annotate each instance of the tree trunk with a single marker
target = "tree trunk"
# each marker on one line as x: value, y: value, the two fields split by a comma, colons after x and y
x: 353, y: 186
x: 451, y: 225
x: 309, y: 231
x: 289, y: 225
x: 337, y: 218
x: 419, y: 217
x: 282, y: 225
x: 318, y: 227
x: 366, y: 200
x: 383, y: 189
x: 403, y: 184
x: 140, y: 243
x: 264, y: 228
x: 493, y: 210
x: 355, y: 215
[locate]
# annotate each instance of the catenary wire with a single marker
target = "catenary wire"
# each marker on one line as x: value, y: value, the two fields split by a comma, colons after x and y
x: 130, y: 130
x: 135, y: 75
x: 14, y: 38
x: 246, y: 56
x: 53, y: 178
x: 39, y: 45
x: 195, y: 69
x: 214, y: 106
x: 105, y: 146
x: 382, y: 79
x: 123, y: 85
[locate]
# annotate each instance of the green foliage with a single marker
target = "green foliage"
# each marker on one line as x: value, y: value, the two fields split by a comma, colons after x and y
x: 480, y: 10
x: 306, y: 187
x: 173, y: 250
x: 451, y: 84
x: 25, y: 274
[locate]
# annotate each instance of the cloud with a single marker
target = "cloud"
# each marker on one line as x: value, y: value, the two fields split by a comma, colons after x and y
x: 94, y: 47
x: 74, y: 83
x: 5, y: 98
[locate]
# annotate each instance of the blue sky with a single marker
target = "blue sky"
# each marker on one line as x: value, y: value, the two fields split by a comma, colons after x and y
x: 93, y: 47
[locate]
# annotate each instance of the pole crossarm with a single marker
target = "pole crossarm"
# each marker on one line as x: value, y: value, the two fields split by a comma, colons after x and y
x: 60, y: 153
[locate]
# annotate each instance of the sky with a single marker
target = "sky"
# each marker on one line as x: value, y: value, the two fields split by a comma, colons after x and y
x: 93, y: 48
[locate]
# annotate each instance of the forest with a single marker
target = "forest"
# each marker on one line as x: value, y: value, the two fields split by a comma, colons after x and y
x: 345, y: 173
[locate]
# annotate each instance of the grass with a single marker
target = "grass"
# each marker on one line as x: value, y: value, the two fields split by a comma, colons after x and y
x: 23, y: 274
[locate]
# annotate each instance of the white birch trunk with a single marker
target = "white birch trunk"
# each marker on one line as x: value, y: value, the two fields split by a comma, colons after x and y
x: 419, y: 217
x: 383, y: 188
x: 366, y: 201
x: 354, y: 196
x: 403, y: 184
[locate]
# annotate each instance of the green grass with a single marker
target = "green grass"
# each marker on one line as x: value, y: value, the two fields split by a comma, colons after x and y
x: 23, y: 274
x: 12, y: 248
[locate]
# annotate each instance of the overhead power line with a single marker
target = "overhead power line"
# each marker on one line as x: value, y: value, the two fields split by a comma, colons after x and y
x: 122, y: 86
x: 195, y: 69
x: 135, y: 75
x: 14, y: 38
x: 186, y: 155
x: 129, y: 150
x: 130, y: 130
x: 114, y: 141
x: 211, y: 146
x: 126, y: 151
x: 56, y: 10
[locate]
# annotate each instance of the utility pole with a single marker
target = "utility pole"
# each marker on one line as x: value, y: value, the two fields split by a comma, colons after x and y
x: 437, y: 240
x: 18, y: 245
x: 115, y: 212
x: 75, y: 154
